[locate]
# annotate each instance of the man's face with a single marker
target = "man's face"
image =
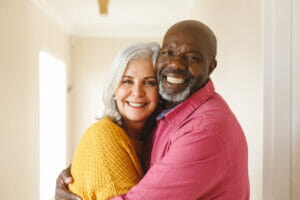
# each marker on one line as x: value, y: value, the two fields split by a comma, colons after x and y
x: 183, y: 66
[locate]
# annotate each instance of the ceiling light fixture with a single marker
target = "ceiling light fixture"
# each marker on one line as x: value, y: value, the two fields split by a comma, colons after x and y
x: 103, y: 4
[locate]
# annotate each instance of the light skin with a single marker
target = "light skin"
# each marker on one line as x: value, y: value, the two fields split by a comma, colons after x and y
x: 187, y: 59
x: 137, y: 96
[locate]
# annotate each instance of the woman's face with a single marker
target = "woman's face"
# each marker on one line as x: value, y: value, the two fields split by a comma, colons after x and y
x: 137, y: 94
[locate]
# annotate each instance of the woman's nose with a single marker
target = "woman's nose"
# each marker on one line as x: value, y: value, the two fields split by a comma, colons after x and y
x: 138, y: 90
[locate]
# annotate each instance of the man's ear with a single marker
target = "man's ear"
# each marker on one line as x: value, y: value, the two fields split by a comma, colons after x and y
x: 212, y: 66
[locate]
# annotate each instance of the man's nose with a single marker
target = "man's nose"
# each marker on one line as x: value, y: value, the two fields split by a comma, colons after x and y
x: 177, y: 62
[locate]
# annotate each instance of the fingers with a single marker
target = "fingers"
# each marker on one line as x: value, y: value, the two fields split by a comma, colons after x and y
x: 66, y: 176
x: 66, y: 195
x: 61, y: 191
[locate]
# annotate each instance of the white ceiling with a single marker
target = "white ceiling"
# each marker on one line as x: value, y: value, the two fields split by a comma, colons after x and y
x: 125, y: 18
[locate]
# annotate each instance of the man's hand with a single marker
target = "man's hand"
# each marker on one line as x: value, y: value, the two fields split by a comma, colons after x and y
x: 63, y: 180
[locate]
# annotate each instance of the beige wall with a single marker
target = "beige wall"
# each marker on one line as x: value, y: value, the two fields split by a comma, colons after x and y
x: 238, y: 77
x: 24, y: 31
x: 91, y: 59
x: 295, y: 101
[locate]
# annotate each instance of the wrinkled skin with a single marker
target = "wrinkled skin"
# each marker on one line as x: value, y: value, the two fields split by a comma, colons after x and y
x: 188, y: 52
x: 186, y: 60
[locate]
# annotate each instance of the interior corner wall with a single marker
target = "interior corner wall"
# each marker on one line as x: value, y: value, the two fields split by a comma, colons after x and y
x: 24, y: 32
x: 238, y: 76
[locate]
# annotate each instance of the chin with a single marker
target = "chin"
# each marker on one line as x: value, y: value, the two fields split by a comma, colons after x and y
x: 174, y: 96
x: 137, y: 119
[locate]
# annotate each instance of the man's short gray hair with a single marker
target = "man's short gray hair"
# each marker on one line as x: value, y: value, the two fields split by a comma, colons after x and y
x: 124, y: 56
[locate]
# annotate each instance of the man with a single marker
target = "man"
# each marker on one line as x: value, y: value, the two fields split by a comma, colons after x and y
x: 199, y: 150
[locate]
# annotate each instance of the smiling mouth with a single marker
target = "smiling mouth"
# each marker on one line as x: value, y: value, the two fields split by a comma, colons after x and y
x: 174, y: 80
x: 136, y: 105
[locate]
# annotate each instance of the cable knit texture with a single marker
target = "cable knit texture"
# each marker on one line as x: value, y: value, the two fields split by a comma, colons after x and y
x: 105, y: 164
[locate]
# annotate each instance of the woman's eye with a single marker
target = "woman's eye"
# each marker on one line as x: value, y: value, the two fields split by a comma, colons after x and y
x: 151, y: 83
x: 126, y: 82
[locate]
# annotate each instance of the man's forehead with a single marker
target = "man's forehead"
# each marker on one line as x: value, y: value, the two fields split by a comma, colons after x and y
x: 187, y: 45
x: 182, y: 36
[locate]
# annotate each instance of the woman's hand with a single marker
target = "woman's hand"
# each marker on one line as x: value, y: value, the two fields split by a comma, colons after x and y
x: 63, y: 180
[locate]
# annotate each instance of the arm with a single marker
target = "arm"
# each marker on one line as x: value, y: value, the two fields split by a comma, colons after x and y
x: 63, y: 180
x: 194, y: 164
x: 105, y: 163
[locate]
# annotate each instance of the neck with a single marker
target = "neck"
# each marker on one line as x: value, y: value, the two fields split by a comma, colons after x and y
x: 171, y: 104
x: 133, y: 129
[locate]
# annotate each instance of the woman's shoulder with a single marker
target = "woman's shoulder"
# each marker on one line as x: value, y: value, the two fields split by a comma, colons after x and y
x: 104, y: 124
x: 104, y: 128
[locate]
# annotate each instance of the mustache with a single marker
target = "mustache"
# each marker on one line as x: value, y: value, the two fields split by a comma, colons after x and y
x: 181, y: 72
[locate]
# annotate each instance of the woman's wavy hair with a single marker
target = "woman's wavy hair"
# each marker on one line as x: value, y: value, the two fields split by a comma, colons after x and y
x: 124, y: 56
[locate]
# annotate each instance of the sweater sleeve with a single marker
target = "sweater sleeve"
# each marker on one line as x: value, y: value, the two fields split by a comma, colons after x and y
x: 105, y: 163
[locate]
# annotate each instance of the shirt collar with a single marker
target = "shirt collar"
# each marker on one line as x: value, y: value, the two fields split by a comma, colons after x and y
x: 179, y: 113
x: 162, y: 114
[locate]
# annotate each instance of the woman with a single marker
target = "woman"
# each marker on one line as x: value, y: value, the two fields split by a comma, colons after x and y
x: 106, y: 161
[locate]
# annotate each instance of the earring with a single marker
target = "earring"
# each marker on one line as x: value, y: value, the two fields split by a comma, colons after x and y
x: 115, y: 98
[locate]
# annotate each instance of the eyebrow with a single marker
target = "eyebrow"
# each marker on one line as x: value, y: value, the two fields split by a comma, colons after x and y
x: 131, y: 77
x: 190, y: 50
x: 167, y: 46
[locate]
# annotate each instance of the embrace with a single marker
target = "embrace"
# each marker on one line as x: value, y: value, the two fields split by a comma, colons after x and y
x: 165, y: 133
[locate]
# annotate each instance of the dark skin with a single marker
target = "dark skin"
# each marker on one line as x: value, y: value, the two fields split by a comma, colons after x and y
x: 188, y: 47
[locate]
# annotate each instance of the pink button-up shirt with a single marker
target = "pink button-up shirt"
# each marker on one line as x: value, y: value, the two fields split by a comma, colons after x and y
x: 199, y: 151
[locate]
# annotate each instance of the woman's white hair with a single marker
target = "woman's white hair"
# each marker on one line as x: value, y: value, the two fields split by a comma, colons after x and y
x: 124, y: 56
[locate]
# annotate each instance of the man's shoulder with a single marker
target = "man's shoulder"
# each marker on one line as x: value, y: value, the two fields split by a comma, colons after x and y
x: 214, y: 108
x: 212, y: 114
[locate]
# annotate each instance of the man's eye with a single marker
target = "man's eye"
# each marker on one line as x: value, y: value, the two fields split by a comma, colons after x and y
x: 168, y: 53
x: 191, y: 57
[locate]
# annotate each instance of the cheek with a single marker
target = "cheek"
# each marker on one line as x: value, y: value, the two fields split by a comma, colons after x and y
x: 121, y: 93
x: 199, y: 72
x: 159, y: 64
x: 153, y: 96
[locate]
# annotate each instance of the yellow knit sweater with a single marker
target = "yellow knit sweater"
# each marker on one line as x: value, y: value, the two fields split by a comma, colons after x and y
x: 105, y: 164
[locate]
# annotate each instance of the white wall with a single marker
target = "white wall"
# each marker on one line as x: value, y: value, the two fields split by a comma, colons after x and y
x: 24, y: 31
x: 281, y: 46
x: 295, y: 101
x: 238, y: 76
x: 91, y: 59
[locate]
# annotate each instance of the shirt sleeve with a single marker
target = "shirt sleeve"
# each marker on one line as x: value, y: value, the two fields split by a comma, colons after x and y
x: 194, y: 164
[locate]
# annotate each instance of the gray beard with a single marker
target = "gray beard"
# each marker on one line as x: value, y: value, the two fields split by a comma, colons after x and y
x: 179, y: 96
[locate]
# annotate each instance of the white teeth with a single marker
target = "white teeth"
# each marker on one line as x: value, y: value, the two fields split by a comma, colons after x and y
x: 136, y: 104
x: 175, y: 80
